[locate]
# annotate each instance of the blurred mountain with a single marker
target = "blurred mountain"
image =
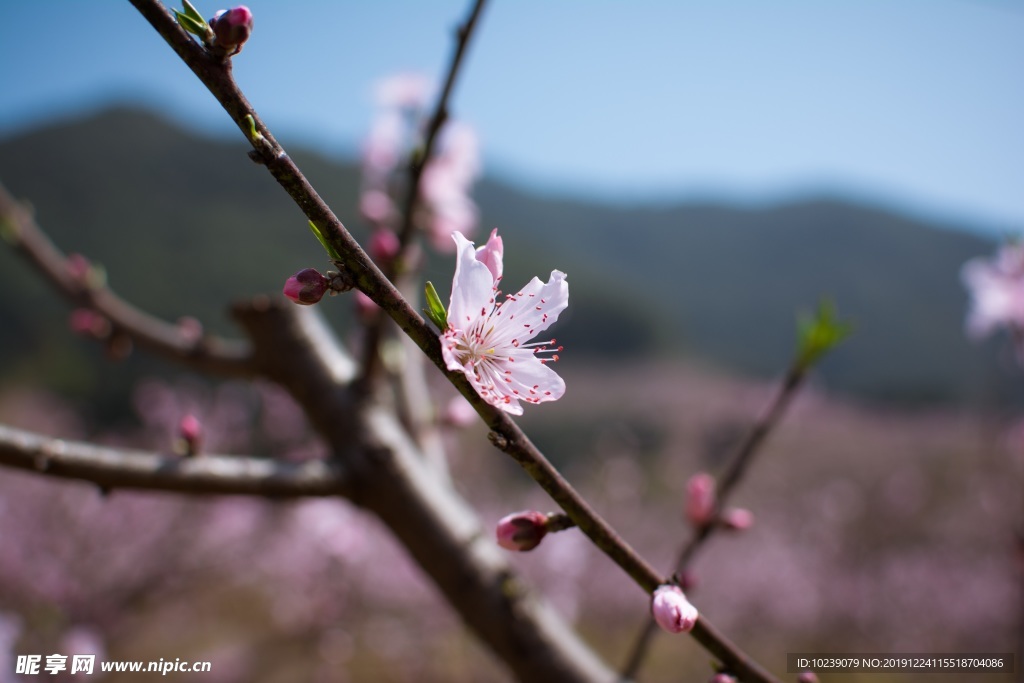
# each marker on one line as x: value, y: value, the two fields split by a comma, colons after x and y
x: 185, y: 224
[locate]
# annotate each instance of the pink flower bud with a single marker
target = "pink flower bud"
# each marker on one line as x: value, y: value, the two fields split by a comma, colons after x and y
x: 231, y: 28
x: 522, y: 531
x: 737, y: 519
x: 722, y: 678
x: 807, y: 677
x: 491, y: 254
x: 700, y: 499
x: 672, y: 610
x: 78, y: 268
x: 384, y: 246
x: 89, y: 323
x: 306, y: 286
x: 191, y: 432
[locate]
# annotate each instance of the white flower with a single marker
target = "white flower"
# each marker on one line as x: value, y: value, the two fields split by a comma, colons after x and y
x: 997, y: 291
x: 489, y: 340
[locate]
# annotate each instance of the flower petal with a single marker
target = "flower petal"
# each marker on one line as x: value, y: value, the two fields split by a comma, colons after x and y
x: 472, y: 286
x: 533, y: 309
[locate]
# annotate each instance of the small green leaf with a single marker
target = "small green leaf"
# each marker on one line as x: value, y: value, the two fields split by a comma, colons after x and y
x: 253, y: 134
x: 192, y: 12
x: 199, y: 28
x: 331, y: 251
x: 819, y: 333
x: 435, y: 309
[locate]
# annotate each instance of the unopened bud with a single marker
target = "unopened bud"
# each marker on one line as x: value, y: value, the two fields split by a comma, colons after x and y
x: 231, y: 28
x: 384, y: 246
x: 306, y: 286
x: 78, y: 268
x: 89, y: 323
x: 722, y: 677
x: 672, y: 611
x: 522, y: 531
x: 191, y: 432
x: 700, y: 499
x: 737, y: 519
x: 807, y: 677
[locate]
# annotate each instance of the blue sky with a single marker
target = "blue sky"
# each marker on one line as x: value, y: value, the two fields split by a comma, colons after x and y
x: 916, y: 103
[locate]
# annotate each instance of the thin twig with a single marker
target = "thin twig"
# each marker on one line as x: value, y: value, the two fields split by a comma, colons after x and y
x: 737, y: 466
x: 398, y: 265
x: 216, y: 76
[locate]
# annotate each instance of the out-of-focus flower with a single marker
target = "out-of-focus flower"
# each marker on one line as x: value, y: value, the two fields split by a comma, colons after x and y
x: 403, y: 91
x: 89, y: 323
x: 672, y: 611
x: 306, y: 287
x: 231, y: 28
x: 384, y: 246
x: 722, y: 677
x: 444, y: 206
x: 459, y: 412
x: 996, y: 287
x: 446, y: 183
x: 522, y: 531
x: 737, y: 519
x: 376, y: 206
x: 190, y: 431
x: 700, y: 499
x: 490, y: 342
x: 807, y: 677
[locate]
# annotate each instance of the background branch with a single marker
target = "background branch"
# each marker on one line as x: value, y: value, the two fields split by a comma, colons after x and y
x: 116, y: 468
x: 207, y: 354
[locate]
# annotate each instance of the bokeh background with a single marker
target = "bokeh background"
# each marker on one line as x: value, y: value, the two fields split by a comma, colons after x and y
x: 703, y: 173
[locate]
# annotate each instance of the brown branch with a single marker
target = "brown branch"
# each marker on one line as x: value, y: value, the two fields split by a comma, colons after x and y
x: 208, y: 354
x: 117, y: 468
x: 417, y: 164
x: 216, y: 76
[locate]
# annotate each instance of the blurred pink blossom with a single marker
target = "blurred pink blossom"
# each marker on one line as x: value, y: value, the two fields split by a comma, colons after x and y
x: 403, y: 91
x: 700, y: 499
x: 737, y: 519
x: 996, y: 287
x: 488, y: 341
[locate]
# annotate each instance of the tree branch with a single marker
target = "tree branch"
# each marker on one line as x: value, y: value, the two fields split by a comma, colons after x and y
x: 215, y: 74
x: 116, y: 468
x: 208, y: 354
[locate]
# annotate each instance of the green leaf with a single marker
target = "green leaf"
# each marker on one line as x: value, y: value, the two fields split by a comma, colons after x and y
x: 199, y: 28
x: 192, y: 12
x: 435, y: 309
x: 818, y: 334
x: 331, y: 251
x: 253, y: 134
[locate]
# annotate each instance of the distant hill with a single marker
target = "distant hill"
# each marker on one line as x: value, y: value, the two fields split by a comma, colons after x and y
x: 185, y: 224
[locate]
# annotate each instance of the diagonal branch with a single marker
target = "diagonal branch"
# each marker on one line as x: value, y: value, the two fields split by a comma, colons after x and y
x: 208, y: 354
x: 215, y: 74
x: 117, y: 468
